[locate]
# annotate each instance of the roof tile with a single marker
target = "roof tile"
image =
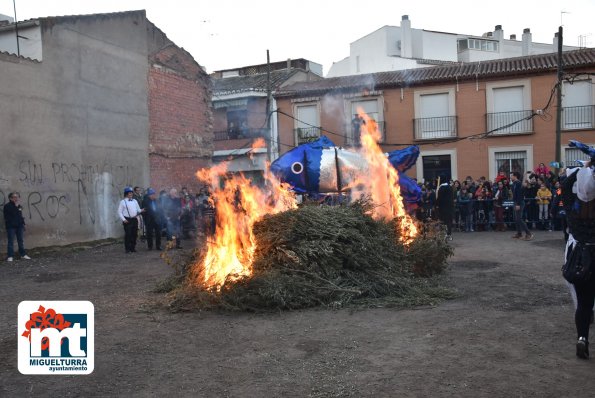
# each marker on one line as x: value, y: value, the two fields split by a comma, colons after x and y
x: 445, y: 73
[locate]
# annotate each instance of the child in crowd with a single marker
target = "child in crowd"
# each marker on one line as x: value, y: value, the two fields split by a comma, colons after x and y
x: 544, y: 196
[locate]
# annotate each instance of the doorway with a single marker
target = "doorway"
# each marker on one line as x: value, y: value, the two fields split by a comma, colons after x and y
x: 435, y: 166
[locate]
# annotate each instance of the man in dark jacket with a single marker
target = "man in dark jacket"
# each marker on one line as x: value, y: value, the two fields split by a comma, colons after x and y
x: 173, y: 212
x: 15, y: 226
x: 518, y: 197
x: 152, y: 218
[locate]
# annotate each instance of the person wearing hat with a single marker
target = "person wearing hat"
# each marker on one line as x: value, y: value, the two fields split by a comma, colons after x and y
x: 578, y: 195
x: 128, y: 210
x: 153, y: 218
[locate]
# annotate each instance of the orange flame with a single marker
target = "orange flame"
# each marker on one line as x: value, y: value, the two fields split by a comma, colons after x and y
x: 381, y: 182
x: 239, y: 205
x: 259, y: 143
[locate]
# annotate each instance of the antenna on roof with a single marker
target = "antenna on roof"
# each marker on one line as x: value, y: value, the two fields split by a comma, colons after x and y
x: 16, y: 26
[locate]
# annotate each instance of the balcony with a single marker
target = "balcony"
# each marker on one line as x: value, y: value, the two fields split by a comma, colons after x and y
x: 514, y: 122
x: 578, y: 117
x: 353, y: 134
x: 435, y: 128
x: 307, y: 134
x: 240, y: 134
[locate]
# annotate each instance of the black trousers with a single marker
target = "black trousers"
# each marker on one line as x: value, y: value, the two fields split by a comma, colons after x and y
x: 130, y: 234
x: 153, y: 228
x: 585, y: 297
x: 446, y: 219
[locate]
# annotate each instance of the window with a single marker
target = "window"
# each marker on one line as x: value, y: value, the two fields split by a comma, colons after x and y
x: 237, y: 122
x: 577, y: 104
x: 571, y: 155
x: 478, y: 44
x: 307, y: 123
x: 509, y: 107
x: 433, y: 114
x: 509, y: 159
x: 370, y: 107
x: 463, y: 44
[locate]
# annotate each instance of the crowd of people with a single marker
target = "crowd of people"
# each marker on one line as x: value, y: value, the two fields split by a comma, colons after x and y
x: 484, y: 205
x: 539, y: 199
x: 170, y: 214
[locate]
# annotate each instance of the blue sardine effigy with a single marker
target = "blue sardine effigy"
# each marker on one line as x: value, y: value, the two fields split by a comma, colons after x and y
x: 590, y: 151
x: 322, y: 167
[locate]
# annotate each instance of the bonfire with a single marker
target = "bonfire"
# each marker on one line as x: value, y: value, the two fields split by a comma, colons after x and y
x: 265, y: 252
x: 240, y: 204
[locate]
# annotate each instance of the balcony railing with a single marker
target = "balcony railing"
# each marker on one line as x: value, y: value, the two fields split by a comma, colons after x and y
x: 307, y: 134
x: 432, y: 128
x: 578, y: 117
x: 238, y: 134
x: 354, y: 134
x: 514, y: 122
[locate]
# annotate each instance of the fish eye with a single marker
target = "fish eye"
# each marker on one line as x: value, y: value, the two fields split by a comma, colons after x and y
x: 297, y: 168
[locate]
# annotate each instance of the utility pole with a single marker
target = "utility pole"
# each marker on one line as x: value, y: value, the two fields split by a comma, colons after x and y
x: 269, y: 103
x: 559, y: 100
x: 16, y: 26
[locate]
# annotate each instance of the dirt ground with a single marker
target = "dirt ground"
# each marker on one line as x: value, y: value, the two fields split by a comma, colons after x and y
x: 510, y: 333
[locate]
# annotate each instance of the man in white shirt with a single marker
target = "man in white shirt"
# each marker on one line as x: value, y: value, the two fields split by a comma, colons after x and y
x: 128, y: 210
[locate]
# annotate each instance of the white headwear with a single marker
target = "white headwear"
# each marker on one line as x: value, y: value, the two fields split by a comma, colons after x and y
x: 569, y: 172
x: 585, y: 184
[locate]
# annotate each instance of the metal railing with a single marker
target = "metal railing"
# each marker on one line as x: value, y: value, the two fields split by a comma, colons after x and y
x: 501, y: 119
x: 430, y: 128
x: 307, y: 134
x: 239, y: 134
x: 578, y: 117
x: 353, y: 135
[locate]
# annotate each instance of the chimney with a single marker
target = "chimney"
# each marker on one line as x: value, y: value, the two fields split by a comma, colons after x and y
x: 512, y: 37
x: 406, y: 39
x: 527, y: 41
x: 498, y: 33
x: 288, y: 64
x: 555, y: 43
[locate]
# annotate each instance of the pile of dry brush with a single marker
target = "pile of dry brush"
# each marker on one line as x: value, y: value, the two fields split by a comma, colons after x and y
x: 326, y: 256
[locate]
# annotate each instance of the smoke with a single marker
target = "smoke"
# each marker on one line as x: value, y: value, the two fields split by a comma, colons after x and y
x: 367, y: 82
x: 334, y: 109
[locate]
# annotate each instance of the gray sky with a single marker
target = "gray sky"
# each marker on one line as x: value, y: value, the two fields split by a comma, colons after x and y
x: 223, y: 34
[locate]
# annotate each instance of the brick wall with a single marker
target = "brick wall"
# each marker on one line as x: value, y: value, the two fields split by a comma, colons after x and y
x: 180, y: 115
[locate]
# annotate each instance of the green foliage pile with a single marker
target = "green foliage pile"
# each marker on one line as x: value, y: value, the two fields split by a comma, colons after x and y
x: 333, y: 257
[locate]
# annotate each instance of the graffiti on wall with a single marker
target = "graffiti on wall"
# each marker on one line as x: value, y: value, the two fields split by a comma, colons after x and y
x: 60, y: 193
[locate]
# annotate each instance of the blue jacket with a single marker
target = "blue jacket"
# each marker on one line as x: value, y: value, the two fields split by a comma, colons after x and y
x: 465, y: 203
x: 13, y: 215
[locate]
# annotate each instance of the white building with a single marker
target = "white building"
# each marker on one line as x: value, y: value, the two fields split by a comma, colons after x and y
x: 403, y: 47
x: 29, y: 37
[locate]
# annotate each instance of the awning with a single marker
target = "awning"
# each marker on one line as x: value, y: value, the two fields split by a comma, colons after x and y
x: 232, y: 103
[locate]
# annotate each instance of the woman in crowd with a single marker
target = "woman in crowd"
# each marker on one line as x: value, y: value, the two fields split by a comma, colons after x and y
x: 500, y: 195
